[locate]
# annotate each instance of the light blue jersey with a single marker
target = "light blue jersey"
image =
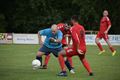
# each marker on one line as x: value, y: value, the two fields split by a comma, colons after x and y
x: 48, y: 33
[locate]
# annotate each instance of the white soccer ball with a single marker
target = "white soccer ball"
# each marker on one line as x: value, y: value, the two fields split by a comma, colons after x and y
x: 36, y: 64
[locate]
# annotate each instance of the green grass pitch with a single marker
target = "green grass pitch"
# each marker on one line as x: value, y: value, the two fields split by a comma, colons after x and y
x: 15, y: 64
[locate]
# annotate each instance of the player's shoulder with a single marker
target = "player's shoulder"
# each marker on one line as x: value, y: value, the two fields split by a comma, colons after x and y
x: 48, y: 29
x: 106, y: 18
x: 60, y: 25
x: 81, y: 26
x: 59, y: 31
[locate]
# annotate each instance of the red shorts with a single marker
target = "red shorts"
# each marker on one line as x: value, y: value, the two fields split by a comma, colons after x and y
x: 72, y: 52
x: 64, y: 41
x: 102, y: 35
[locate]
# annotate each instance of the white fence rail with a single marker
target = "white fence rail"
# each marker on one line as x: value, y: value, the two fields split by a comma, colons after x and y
x: 33, y: 39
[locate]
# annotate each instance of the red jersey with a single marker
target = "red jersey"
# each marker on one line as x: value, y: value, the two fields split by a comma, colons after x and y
x: 104, y: 24
x: 78, y: 37
x: 62, y: 28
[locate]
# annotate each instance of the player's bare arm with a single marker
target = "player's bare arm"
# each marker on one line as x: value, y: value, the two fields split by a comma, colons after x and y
x: 40, y: 39
x: 107, y: 29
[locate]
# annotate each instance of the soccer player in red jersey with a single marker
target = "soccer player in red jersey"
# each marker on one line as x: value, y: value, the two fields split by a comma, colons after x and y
x: 105, y: 26
x: 78, y: 48
x: 66, y: 33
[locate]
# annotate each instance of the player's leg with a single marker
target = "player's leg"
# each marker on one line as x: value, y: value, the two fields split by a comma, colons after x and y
x: 62, y: 63
x: 55, y: 52
x: 70, y: 61
x: 39, y: 56
x: 68, y: 52
x: 42, y: 51
x: 110, y: 46
x: 98, y: 37
x: 47, y: 57
x: 69, y: 65
x: 86, y: 64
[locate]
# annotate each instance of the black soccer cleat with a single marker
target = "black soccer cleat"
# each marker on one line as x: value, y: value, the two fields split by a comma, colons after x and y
x: 43, y: 67
x: 62, y: 74
x: 91, y: 74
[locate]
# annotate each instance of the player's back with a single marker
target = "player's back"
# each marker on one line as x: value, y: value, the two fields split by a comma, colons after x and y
x: 61, y: 27
x: 78, y: 36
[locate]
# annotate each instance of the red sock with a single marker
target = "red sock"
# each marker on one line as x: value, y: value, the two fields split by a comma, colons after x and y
x: 61, y: 62
x: 70, y: 60
x: 112, y: 49
x: 100, y: 46
x: 86, y: 64
x: 47, y: 57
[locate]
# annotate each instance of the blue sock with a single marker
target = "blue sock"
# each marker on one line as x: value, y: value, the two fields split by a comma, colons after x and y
x: 68, y: 65
x: 39, y: 58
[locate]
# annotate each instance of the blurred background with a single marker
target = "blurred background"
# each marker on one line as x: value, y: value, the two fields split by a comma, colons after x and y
x: 29, y: 16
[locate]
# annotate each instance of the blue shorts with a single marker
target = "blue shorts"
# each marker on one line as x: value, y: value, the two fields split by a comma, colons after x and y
x: 47, y: 50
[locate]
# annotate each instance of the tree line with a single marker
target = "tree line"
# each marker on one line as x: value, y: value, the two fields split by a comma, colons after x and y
x: 29, y: 16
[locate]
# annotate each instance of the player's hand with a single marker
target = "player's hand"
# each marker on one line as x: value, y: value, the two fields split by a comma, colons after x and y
x: 106, y: 32
x: 52, y: 40
x: 80, y: 52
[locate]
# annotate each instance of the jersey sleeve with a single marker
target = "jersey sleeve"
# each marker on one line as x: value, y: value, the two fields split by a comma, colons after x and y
x: 60, y: 35
x: 108, y: 21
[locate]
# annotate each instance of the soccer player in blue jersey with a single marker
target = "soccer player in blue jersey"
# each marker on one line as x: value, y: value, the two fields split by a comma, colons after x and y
x: 52, y: 43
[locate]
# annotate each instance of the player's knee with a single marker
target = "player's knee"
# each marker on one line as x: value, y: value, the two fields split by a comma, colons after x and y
x: 62, y: 52
x: 48, y: 55
x: 96, y: 40
x: 107, y: 41
x: 39, y: 53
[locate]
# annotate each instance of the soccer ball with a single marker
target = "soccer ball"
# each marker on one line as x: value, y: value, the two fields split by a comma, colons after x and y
x: 36, y: 64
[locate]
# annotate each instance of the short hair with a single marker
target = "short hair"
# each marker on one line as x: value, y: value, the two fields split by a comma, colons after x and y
x: 69, y: 23
x: 75, y: 18
x: 54, y: 27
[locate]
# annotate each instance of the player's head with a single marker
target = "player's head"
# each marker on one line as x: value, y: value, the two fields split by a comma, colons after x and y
x: 105, y: 13
x: 66, y: 26
x: 54, y: 28
x: 74, y: 19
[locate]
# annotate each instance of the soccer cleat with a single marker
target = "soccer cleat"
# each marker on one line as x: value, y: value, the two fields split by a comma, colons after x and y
x: 90, y: 74
x: 43, y: 67
x: 72, y: 71
x: 101, y: 52
x: 62, y: 73
x: 114, y: 53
